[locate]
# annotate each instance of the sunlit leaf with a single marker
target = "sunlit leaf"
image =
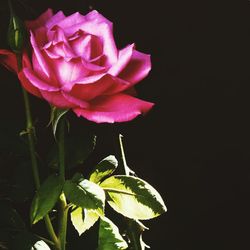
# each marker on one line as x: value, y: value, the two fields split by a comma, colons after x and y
x: 133, y: 197
x: 104, y: 168
x: 109, y: 236
x: 85, y: 194
x: 46, y: 198
x: 83, y: 219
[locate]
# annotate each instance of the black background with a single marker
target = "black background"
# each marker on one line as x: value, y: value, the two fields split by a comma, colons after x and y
x: 193, y: 147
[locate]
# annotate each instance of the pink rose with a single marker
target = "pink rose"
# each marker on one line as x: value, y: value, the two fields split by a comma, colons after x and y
x: 76, y: 64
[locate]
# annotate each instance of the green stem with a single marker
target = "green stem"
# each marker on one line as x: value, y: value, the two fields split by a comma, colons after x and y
x: 63, y: 221
x: 34, y: 165
x: 63, y: 209
x: 127, y: 170
x: 61, y: 142
x: 131, y: 233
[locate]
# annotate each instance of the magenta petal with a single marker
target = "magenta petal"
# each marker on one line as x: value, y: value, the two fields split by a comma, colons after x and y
x: 27, y: 85
x: 76, y: 101
x: 117, y: 108
x: 95, y: 16
x: 87, y: 46
x: 137, y: 69
x: 69, y: 71
x: 102, y: 30
x: 39, y: 59
x: 57, y: 99
x: 123, y: 59
x: 71, y: 21
x: 40, y: 21
x: 59, y: 50
x: 82, y: 81
x: 106, y: 85
x: 8, y: 59
x: 37, y: 82
x: 59, y: 16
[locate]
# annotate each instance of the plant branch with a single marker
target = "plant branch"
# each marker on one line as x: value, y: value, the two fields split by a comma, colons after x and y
x: 130, y: 229
x: 30, y: 132
x: 63, y: 209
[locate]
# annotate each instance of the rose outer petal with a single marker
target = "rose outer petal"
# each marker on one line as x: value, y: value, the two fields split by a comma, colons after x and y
x: 40, y: 21
x: 117, y: 108
x: 37, y: 82
x: 137, y: 69
x: 8, y: 59
x: 123, y: 59
x: 57, y: 99
x: 106, y: 85
x: 27, y: 85
x: 38, y: 57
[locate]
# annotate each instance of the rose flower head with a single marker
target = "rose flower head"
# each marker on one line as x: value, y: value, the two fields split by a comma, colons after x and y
x: 76, y: 65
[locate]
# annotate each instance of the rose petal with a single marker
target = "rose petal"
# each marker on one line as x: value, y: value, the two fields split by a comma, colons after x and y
x: 137, y: 69
x: 40, y: 21
x: 60, y: 50
x: 95, y: 16
x: 71, y: 20
x: 59, y: 16
x: 87, y: 46
x: 102, y: 30
x: 56, y: 35
x: 38, y: 58
x: 8, y: 60
x: 37, y: 82
x: 81, y: 81
x: 69, y: 71
x: 76, y: 101
x: 57, y: 99
x: 123, y: 59
x: 106, y: 85
x: 117, y: 108
x: 27, y: 85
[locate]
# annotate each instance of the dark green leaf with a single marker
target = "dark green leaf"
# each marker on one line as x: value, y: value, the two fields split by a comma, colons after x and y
x: 85, y: 194
x: 83, y: 219
x: 109, y: 236
x: 28, y: 241
x: 9, y: 218
x: 46, y: 198
x: 134, y: 233
x: 103, y: 169
x: 77, y: 148
x: 55, y: 116
x: 133, y: 197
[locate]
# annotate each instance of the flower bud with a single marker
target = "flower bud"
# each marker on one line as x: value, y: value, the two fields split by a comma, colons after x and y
x: 16, y: 34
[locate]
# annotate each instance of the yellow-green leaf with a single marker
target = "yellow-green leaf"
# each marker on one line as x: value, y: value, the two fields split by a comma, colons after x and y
x: 83, y: 219
x: 133, y: 197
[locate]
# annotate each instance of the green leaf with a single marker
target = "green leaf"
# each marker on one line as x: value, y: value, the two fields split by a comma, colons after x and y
x: 133, y: 197
x: 136, y: 228
x: 85, y: 194
x: 46, y: 198
x: 28, y: 241
x: 104, y: 168
x: 77, y: 147
x: 109, y: 236
x: 83, y: 219
x: 55, y: 116
x: 9, y: 218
